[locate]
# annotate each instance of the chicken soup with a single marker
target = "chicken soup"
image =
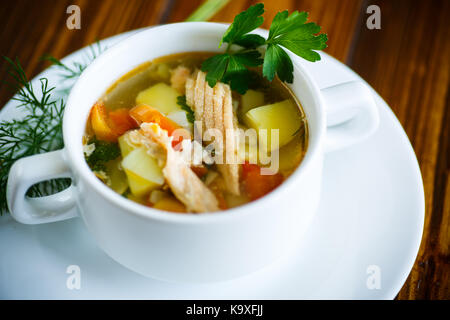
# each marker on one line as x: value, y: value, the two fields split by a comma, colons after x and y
x: 163, y: 137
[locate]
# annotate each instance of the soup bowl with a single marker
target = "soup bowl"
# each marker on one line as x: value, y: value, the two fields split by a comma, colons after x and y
x: 188, y: 247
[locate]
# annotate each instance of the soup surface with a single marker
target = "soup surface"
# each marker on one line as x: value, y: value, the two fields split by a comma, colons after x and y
x: 162, y: 137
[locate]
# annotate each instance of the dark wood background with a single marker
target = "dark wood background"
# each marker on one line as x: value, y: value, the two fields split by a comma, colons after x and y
x: 407, y: 62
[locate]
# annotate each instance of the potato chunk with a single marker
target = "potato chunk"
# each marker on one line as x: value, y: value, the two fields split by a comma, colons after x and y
x: 160, y: 96
x: 251, y: 99
x: 284, y: 116
x: 143, y: 172
x: 125, y: 144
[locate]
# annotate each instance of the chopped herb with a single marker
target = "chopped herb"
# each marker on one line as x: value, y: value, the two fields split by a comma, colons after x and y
x: 104, y: 151
x: 40, y: 130
x: 181, y: 101
x: 286, y: 32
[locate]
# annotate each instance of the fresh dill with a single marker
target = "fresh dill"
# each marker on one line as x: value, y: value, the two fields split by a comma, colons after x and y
x: 40, y: 129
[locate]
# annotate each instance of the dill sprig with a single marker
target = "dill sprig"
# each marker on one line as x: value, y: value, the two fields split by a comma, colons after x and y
x: 69, y: 73
x: 40, y: 129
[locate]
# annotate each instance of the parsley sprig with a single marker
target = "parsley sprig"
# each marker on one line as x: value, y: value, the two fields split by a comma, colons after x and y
x: 287, y: 31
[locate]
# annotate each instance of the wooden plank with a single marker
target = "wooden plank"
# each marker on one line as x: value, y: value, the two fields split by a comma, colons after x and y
x: 35, y: 28
x: 407, y: 62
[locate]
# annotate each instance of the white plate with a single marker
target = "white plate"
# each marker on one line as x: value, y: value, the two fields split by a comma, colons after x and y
x: 371, y: 214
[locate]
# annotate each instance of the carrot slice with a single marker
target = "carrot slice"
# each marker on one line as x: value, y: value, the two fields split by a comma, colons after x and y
x: 143, y: 113
x: 120, y: 121
x: 257, y: 185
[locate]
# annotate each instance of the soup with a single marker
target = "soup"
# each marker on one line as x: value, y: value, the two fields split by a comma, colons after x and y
x: 162, y: 137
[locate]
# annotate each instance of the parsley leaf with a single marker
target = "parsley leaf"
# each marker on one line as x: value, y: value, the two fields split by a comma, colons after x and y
x: 243, y: 23
x: 190, y: 116
x: 287, y: 31
x: 292, y: 33
x: 250, y: 41
x: 277, y: 61
x: 232, y: 68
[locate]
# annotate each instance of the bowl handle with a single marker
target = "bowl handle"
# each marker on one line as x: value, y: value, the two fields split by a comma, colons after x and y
x: 352, y: 114
x: 28, y: 171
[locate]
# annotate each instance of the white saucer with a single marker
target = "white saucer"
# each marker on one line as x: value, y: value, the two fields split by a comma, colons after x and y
x: 371, y: 213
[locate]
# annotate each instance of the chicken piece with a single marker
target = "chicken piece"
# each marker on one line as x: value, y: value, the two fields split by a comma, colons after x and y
x: 230, y: 170
x: 190, y: 87
x: 199, y: 96
x: 178, y: 78
x: 214, y: 107
x: 183, y: 182
x: 208, y: 108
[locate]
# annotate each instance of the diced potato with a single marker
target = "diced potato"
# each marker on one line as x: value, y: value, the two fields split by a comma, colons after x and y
x: 125, y: 145
x: 160, y: 96
x: 117, y: 178
x: 170, y: 203
x: 180, y: 118
x: 143, y: 172
x: 284, y: 116
x: 134, y: 198
x: 251, y: 99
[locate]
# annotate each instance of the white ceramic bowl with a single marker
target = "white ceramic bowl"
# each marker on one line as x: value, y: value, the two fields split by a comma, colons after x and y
x: 188, y: 247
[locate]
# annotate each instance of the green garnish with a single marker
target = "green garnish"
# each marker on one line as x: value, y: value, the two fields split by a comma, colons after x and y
x: 104, y: 151
x: 190, y: 116
x: 286, y: 32
x: 40, y: 130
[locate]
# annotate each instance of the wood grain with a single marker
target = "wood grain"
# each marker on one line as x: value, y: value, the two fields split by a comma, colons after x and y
x: 407, y: 62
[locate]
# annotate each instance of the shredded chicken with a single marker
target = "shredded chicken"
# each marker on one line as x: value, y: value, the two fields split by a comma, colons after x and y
x: 178, y: 78
x: 214, y: 108
x: 230, y: 172
x: 183, y: 182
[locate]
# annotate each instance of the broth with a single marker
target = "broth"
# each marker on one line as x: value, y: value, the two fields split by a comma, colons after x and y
x: 126, y: 149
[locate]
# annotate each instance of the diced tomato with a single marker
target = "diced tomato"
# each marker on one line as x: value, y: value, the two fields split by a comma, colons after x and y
x: 144, y: 113
x: 257, y: 185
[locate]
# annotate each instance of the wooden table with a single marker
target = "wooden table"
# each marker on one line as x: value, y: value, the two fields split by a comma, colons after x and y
x: 406, y: 61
